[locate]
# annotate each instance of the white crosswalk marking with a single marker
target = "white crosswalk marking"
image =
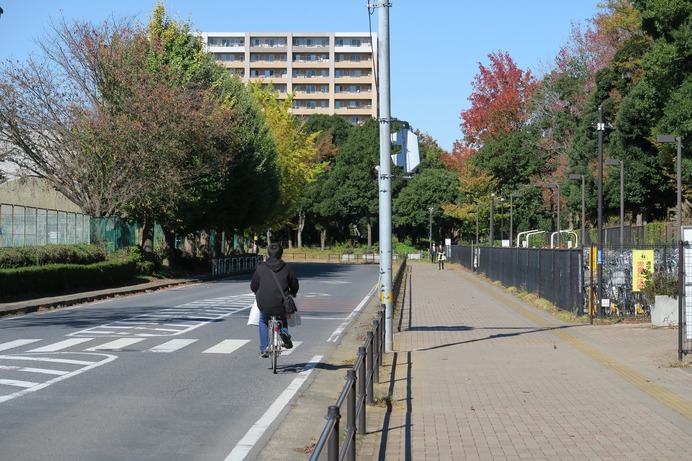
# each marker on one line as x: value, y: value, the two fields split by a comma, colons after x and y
x: 116, y: 345
x: 173, y: 321
x: 61, y: 345
x: 227, y: 346
x: 17, y: 343
x: 172, y: 345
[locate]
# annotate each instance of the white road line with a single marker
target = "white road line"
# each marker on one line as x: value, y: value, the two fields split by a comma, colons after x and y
x: 227, y: 346
x: 16, y: 383
x: 17, y: 343
x: 91, y: 365
x: 45, y: 359
x: 351, y: 316
x: 45, y: 371
x: 172, y: 345
x: 61, y: 345
x: 241, y: 450
x: 116, y: 345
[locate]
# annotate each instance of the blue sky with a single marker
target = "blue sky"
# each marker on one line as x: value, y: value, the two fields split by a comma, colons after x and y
x: 435, y: 46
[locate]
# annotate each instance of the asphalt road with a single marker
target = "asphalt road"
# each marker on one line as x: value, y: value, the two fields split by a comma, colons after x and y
x: 169, y: 375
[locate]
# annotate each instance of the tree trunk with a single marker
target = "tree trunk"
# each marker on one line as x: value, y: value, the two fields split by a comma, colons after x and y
x: 148, y: 238
x: 323, y: 238
x: 369, y: 234
x: 169, y: 258
x: 301, y: 225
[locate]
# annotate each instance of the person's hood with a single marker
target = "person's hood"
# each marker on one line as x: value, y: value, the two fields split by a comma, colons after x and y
x: 275, y: 264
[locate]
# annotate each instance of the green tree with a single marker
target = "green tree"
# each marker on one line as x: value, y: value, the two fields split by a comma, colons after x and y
x: 350, y: 192
x: 298, y: 158
x: 429, y: 188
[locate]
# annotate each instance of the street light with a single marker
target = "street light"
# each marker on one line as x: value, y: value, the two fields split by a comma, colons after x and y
x: 502, y: 219
x: 492, y: 218
x: 556, y: 187
x: 478, y: 210
x: 583, y: 206
x: 678, y: 139
x: 615, y: 162
x: 430, y: 209
x: 511, y: 216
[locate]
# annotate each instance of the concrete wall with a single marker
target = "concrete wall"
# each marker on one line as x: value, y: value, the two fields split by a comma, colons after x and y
x: 36, y: 193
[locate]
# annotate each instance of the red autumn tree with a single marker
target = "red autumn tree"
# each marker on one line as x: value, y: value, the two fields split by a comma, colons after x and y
x: 499, y: 100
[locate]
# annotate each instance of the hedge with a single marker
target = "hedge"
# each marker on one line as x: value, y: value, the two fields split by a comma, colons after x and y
x: 27, y: 256
x: 60, y: 278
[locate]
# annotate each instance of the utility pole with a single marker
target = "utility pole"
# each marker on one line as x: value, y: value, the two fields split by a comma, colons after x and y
x: 385, y: 180
x: 599, y: 251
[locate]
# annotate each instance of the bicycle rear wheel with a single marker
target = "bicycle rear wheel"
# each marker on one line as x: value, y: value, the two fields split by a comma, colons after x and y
x: 276, y: 349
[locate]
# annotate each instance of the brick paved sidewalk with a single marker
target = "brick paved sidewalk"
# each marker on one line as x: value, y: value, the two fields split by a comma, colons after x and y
x: 476, y: 374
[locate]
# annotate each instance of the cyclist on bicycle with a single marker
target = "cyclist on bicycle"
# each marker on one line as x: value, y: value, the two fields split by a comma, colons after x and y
x: 268, y: 295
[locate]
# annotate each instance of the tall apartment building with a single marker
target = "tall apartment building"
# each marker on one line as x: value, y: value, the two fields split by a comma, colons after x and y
x: 331, y: 73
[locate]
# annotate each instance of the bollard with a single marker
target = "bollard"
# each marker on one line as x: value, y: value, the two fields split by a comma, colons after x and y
x: 371, y: 370
x: 361, y: 391
x: 351, y: 416
x: 333, y: 444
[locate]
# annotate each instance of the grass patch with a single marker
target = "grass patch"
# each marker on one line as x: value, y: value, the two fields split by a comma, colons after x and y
x: 383, y: 400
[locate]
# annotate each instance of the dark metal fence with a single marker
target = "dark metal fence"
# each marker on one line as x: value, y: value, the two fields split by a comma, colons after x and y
x: 552, y: 274
x: 685, y: 301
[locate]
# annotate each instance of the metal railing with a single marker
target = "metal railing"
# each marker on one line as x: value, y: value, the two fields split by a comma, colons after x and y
x: 364, y: 374
x: 234, y: 265
x: 357, y: 392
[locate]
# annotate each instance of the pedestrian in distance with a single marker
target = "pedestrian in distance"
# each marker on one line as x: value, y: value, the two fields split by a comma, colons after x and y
x: 433, y: 250
x: 441, y: 257
x: 270, y: 296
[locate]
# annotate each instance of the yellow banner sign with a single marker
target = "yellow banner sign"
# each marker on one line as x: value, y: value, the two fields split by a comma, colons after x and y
x: 642, y: 264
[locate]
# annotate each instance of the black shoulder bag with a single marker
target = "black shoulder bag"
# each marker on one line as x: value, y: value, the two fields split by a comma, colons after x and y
x: 288, y: 302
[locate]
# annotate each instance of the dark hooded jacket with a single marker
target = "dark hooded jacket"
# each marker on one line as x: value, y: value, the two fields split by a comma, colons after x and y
x: 269, y: 296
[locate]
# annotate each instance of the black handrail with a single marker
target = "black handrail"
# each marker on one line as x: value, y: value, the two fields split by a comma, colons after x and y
x: 365, y: 372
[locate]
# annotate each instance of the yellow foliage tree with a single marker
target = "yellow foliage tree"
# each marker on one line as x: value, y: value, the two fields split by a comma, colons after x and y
x: 297, y: 153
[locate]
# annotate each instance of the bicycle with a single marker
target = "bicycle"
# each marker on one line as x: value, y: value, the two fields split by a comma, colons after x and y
x: 275, y: 341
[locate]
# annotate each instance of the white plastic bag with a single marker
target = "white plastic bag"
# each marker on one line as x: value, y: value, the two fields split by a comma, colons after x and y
x: 294, y: 319
x: 254, y: 317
